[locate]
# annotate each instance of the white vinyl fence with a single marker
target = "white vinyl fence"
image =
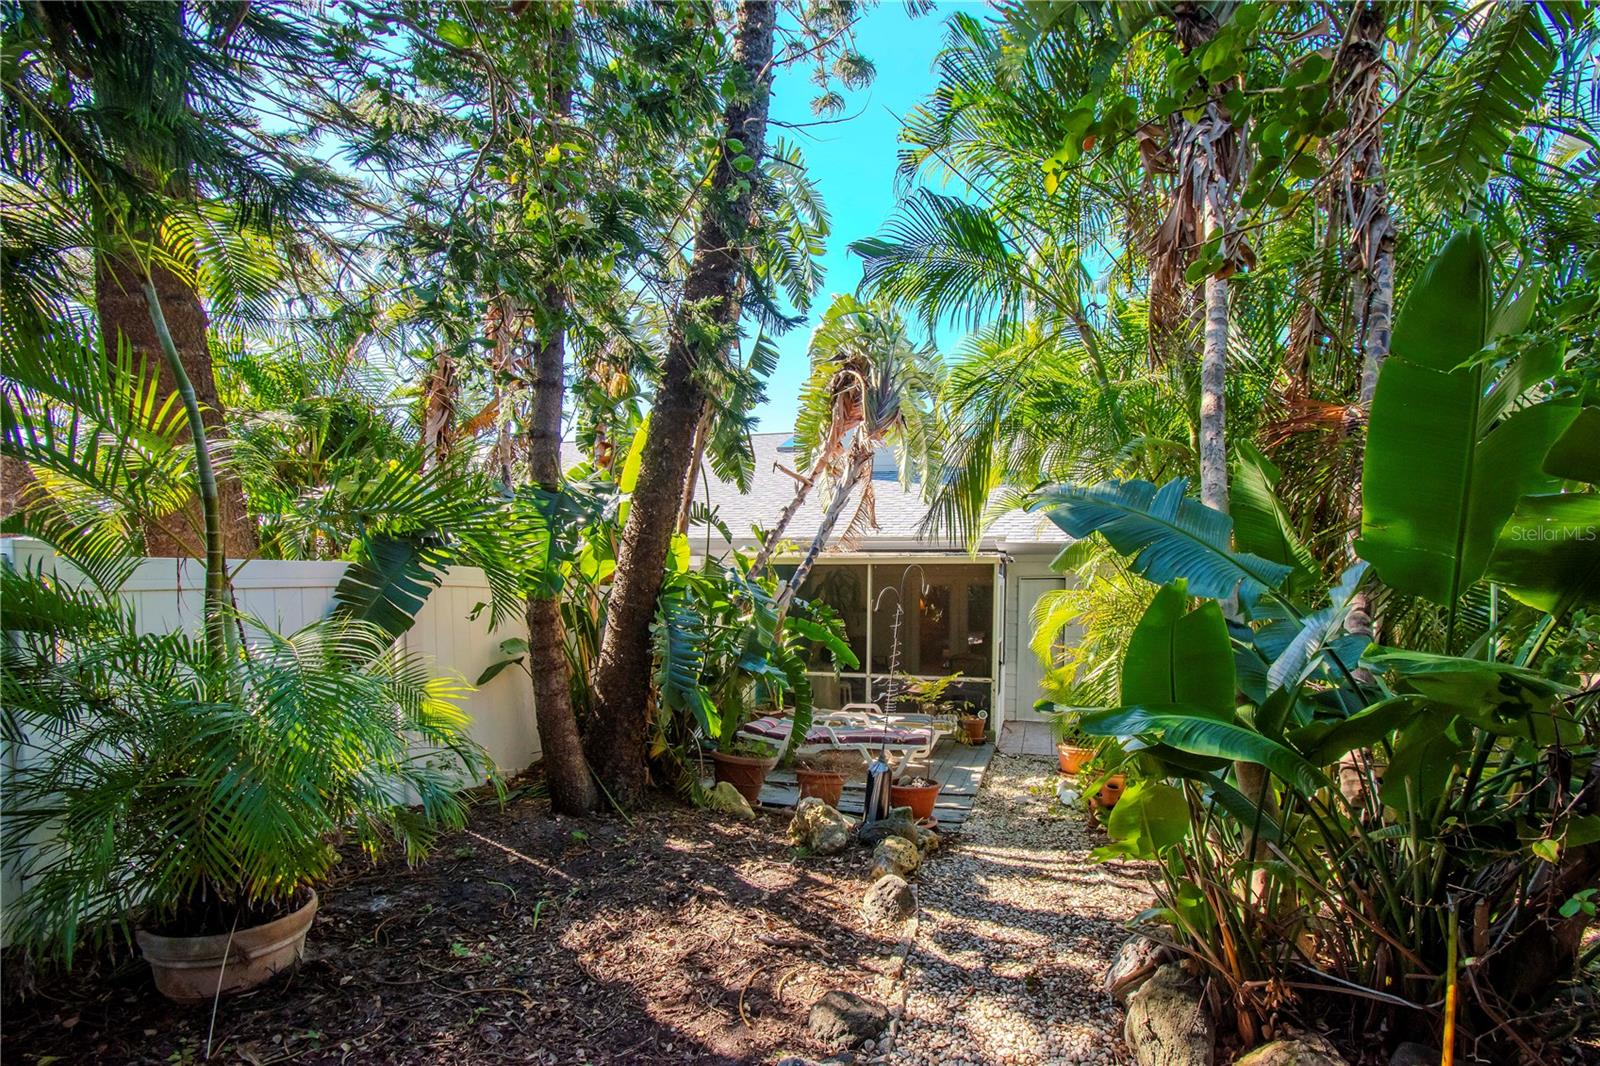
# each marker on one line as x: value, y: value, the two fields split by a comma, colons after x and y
x: 167, y: 595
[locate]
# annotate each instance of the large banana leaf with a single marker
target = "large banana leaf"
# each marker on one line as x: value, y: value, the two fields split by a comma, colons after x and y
x: 1179, y: 656
x: 1201, y: 731
x: 1260, y: 523
x: 1548, y: 555
x: 388, y: 585
x: 1321, y: 633
x: 1503, y: 699
x: 1150, y: 816
x: 1166, y: 534
x: 680, y: 637
x: 1438, y: 483
x: 1576, y: 456
x: 1325, y: 742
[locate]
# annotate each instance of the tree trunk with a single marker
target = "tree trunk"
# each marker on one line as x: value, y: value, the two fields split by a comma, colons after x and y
x: 830, y: 518
x: 616, y: 743
x: 124, y: 313
x: 702, y: 429
x: 1374, y: 258
x: 1380, y: 318
x: 1213, y: 402
x: 801, y: 493
x: 572, y: 790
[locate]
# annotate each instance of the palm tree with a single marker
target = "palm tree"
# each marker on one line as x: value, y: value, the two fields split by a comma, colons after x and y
x: 869, y: 387
x: 145, y: 136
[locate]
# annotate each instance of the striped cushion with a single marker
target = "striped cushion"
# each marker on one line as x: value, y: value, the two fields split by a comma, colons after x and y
x: 778, y: 729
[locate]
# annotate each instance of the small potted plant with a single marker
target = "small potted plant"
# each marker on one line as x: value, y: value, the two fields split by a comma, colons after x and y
x: 1073, y: 750
x: 744, y: 764
x: 823, y: 775
x: 974, y: 723
x: 919, y: 792
x: 1110, y: 791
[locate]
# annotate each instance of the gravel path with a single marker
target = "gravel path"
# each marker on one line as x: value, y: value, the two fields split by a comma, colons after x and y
x: 1017, y: 928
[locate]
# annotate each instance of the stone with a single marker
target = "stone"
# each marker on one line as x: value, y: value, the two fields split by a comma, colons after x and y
x: 888, y: 903
x: 897, y: 823
x: 819, y: 828
x: 1293, y: 1051
x: 1412, y: 1053
x: 1133, y: 964
x: 894, y: 856
x: 726, y: 798
x: 844, y: 1019
x: 1167, y: 1024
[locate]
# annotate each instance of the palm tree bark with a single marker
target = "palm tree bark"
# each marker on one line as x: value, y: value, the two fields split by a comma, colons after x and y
x: 125, y: 315
x: 859, y: 467
x: 802, y: 492
x: 616, y: 742
x: 572, y: 788
x: 1373, y: 226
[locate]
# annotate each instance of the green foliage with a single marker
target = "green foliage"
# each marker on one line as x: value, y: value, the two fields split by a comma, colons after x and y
x: 159, y: 783
x: 1432, y: 411
x: 1165, y: 534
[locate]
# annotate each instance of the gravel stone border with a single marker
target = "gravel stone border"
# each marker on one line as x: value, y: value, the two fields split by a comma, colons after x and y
x: 1017, y: 928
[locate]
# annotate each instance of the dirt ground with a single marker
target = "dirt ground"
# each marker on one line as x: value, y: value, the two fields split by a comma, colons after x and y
x: 528, y: 938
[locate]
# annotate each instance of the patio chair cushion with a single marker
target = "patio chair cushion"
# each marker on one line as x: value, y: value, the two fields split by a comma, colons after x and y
x: 777, y: 729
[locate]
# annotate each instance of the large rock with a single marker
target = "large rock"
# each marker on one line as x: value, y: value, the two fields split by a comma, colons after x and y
x: 1167, y: 1023
x: 1135, y: 961
x: 889, y: 902
x: 726, y: 798
x: 844, y: 1019
x: 894, y: 856
x: 1412, y: 1053
x: 819, y: 828
x: 897, y: 823
x: 1296, y: 1051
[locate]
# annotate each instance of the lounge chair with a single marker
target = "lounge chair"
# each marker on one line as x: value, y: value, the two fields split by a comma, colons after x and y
x: 851, y: 729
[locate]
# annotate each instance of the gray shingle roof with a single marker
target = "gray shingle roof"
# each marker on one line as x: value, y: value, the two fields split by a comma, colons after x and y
x: 900, y: 510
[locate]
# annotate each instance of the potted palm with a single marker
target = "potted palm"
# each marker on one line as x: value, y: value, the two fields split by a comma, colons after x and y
x: 1073, y: 748
x: 198, y: 799
x: 726, y: 656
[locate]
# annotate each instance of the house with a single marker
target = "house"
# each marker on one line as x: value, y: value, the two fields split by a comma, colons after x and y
x: 971, y: 614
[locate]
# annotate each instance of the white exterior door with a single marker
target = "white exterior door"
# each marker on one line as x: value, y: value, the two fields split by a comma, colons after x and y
x: 1029, y: 670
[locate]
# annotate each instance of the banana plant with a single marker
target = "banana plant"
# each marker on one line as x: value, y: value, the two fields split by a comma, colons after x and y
x: 1485, y: 822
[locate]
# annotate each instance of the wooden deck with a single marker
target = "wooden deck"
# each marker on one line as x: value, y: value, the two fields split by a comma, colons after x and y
x: 956, y: 766
x: 1027, y: 738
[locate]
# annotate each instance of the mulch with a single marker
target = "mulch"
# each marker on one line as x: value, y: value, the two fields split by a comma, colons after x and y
x: 682, y: 936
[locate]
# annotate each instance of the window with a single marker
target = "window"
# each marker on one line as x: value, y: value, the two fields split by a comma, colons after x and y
x: 843, y: 588
x: 945, y: 628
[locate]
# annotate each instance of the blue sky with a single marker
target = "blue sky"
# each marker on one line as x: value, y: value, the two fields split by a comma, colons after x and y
x: 853, y: 163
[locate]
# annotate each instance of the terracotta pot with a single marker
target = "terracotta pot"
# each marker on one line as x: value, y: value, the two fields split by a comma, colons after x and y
x: 920, y: 798
x: 1073, y: 758
x: 745, y: 773
x: 1111, y: 791
x: 975, y: 727
x: 826, y: 785
x: 188, y: 968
